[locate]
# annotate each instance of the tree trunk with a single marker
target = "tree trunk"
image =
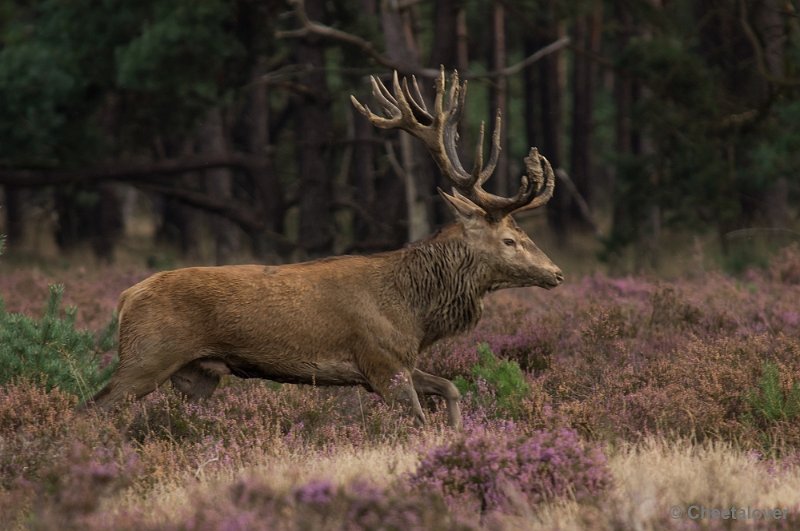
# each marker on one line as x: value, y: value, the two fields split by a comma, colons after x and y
x: 313, y: 127
x: 13, y: 215
x: 587, y: 36
x: 179, y: 223
x: 219, y: 183
x: 462, y: 36
x: 266, y: 185
x: 445, y: 40
x: 364, y: 177
x: 499, y: 97
x: 550, y: 73
x: 772, y: 30
x: 400, y: 47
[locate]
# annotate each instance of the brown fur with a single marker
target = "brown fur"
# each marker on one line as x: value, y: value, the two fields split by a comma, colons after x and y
x: 350, y: 320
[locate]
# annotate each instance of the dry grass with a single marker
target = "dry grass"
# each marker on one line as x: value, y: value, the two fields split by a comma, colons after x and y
x: 650, y: 478
x: 285, y: 470
x: 653, y: 477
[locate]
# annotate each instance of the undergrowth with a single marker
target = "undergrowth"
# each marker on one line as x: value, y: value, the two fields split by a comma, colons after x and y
x: 52, y: 351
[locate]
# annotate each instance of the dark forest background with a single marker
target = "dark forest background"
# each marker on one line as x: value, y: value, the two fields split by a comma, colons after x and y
x: 224, y: 128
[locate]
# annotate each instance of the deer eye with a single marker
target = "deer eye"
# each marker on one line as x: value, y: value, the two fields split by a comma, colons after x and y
x: 509, y: 242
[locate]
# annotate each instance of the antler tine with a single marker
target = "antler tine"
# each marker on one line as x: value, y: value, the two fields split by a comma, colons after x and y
x: 384, y: 97
x: 417, y: 92
x: 437, y: 101
x: 402, y: 102
x: 540, y: 172
x: 404, y: 108
x: 417, y: 103
x: 375, y: 119
x: 453, y: 110
x: 494, y: 156
x: 477, y: 166
x: 456, y: 96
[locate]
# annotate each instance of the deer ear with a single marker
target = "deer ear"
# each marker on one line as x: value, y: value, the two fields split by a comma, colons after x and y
x: 463, y: 209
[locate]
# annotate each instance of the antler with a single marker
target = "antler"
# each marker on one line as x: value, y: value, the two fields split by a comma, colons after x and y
x: 406, y: 110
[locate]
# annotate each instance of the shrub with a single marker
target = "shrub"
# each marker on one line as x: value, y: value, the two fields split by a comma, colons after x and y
x: 785, y: 267
x: 769, y: 402
x: 489, y: 467
x: 319, y: 504
x: 51, y: 350
x: 74, y: 487
x: 499, y: 381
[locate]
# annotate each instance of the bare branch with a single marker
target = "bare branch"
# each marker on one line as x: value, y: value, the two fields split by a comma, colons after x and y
x: 311, y: 28
x: 583, y: 206
x: 514, y: 69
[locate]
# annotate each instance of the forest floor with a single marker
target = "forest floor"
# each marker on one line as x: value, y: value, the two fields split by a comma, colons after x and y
x: 609, y: 403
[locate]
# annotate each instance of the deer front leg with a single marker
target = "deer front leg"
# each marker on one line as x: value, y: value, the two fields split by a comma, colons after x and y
x: 428, y: 384
x: 393, y: 382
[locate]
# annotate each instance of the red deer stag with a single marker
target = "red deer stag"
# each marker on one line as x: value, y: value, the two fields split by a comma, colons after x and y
x: 349, y: 320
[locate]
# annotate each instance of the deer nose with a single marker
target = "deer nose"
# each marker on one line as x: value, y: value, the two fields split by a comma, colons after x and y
x: 559, y: 276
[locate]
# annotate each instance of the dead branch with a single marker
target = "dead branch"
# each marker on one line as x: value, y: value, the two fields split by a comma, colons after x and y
x: 528, y: 61
x: 583, y: 206
x: 310, y: 28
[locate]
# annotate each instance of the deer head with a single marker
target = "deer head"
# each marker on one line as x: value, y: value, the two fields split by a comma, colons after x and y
x: 484, y: 220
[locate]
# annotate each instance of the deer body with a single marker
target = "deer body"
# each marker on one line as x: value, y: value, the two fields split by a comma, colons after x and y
x: 347, y: 320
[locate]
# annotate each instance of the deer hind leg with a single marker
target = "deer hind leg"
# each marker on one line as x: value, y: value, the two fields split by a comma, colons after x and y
x: 428, y: 384
x: 142, y: 368
x: 199, y: 378
x: 129, y: 381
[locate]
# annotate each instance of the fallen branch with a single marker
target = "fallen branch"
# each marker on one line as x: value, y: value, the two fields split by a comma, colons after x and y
x: 124, y: 171
x: 247, y: 219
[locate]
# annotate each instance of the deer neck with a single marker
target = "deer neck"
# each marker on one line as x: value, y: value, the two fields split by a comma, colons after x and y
x: 442, y: 280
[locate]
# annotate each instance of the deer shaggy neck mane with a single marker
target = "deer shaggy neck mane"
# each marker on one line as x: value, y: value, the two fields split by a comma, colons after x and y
x: 442, y: 280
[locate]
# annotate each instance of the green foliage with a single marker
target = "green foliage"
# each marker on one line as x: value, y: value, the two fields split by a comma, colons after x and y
x: 178, y: 58
x: 717, y: 136
x: 66, y: 67
x: 36, y: 88
x: 769, y: 402
x: 495, y: 380
x: 51, y: 351
x: 778, y: 156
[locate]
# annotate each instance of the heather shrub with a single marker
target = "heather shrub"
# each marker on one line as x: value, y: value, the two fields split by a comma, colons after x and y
x: 318, y: 504
x: 95, y: 292
x: 785, y: 267
x: 51, y: 350
x: 499, y: 384
x: 669, y: 308
x: 32, y: 423
x: 532, y: 346
x: 451, y: 358
x: 486, y: 469
x: 73, y: 488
